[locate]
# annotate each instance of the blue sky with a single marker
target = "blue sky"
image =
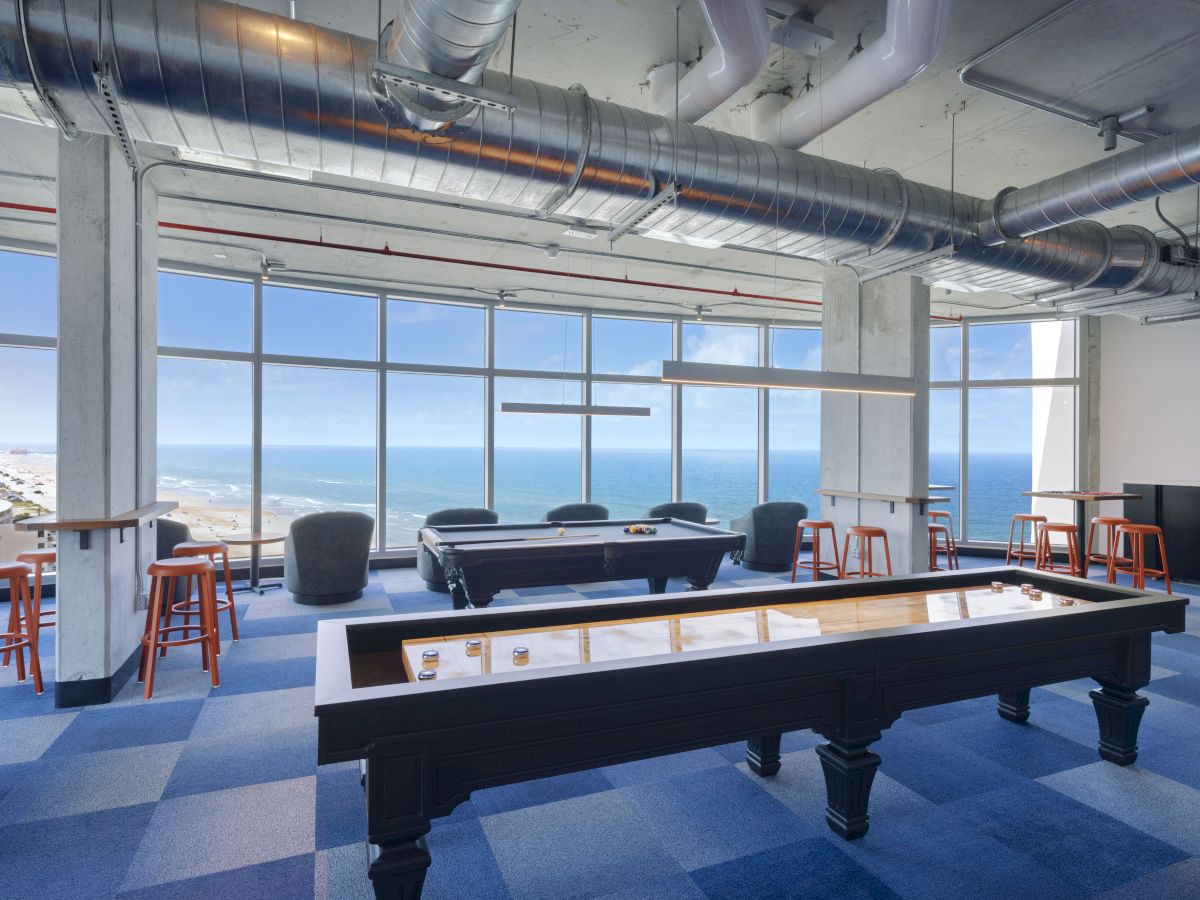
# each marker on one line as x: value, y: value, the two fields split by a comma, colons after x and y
x: 321, y: 406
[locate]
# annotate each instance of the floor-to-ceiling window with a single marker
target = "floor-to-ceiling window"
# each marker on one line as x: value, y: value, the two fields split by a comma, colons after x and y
x: 28, y: 394
x: 1017, y: 382
x: 794, y: 421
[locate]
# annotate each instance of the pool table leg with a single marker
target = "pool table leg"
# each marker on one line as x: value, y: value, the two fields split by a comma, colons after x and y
x: 657, y: 585
x: 1119, y: 714
x: 762, y: 754
x: 1014, y: 705
x: 397, y: 870
x: 849, y: 770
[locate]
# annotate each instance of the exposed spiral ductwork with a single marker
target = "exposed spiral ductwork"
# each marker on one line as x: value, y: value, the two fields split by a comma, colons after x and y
x: 211, y: 76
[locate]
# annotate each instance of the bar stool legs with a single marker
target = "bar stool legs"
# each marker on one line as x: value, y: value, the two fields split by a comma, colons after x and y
x: 818, y: 565
x: 865, y: 536
x: 935, y: 532
x: 1136, y: 535
x: 157, y: 636
x: 211, y: 550
x: 1111, y: 541
x: 37, y: 559
x: 1019, y: 553
x: 942, y: 517
x: 25, y: 634
x: 1045, y: 551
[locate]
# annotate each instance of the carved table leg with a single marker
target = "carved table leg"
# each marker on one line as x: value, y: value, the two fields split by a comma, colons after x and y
x: 1119, y: 713
x: 762, y: 754
x: 397, y: 870
x: 1014, y: 705
x: 657, y: 585
x: 849, y: 770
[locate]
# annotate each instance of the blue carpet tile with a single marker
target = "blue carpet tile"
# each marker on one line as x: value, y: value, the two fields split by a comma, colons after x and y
x: 207, y: 793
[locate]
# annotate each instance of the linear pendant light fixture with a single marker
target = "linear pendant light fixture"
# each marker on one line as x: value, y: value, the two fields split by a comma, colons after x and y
x: 786, y: 379
x: 575, y: 409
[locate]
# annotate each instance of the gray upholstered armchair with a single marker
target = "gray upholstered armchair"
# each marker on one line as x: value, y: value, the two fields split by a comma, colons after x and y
x: 770, y: 530
x: 428, y: 566
x: 577, y: 512
x: 325, y: 557
x: 168, y: 533
x: 688, y: 512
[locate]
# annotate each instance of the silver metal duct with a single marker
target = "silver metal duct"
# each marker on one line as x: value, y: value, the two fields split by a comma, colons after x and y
x: 453, y: 38
x: 1160, y: 167
x: 213, y: 77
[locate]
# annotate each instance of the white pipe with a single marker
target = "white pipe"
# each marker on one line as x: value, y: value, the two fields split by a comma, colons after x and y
x: 914, y: 35
x: 741, y: 39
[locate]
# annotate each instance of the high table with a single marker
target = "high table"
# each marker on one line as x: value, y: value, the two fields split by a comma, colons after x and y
x: 1081, y: 500
x: 255, y: 541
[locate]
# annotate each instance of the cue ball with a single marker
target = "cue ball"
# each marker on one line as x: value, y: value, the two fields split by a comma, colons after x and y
x: 562, y: 531
x: 474, y: 647
x: 520, y: 656
x: 427, y: 675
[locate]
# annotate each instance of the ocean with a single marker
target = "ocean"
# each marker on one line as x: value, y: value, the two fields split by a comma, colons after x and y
x: 299, y: 480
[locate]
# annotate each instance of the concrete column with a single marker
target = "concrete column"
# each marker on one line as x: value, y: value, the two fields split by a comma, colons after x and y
x: 106, y: 422
x: 872, y: 443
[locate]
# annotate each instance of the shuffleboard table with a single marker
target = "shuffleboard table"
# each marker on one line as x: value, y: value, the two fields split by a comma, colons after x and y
x: 438, y: 705
x: 480, y: 560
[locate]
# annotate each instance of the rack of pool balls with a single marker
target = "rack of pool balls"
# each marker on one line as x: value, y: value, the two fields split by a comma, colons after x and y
x: 640, y: 529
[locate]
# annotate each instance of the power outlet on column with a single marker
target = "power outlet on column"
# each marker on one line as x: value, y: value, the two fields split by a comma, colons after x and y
x: 854, y: 552
x: 142, y: 601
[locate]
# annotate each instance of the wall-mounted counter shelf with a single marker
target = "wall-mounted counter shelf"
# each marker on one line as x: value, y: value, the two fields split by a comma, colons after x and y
x: 893, y: 499
x: 135, y: 518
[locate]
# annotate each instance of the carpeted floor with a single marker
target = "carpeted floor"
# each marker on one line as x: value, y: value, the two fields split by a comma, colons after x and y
x: 214, y: 794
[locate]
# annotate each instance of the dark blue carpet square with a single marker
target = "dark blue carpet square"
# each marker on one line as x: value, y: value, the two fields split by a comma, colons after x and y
x: 937, y: 769
x: 18, y: 700
x: 84, y: 856
x: 1066, y: 837
x: 658, y: 767
x: 265, y: 675
x: 423, y: 601
x: 112, y: 728
x: 947, y: 712
x: 545, y: 591
x: 1026, y: 749
x: 604, y: 595
x: 281, y: 878
x: 534, y: 793
x: 802, y: 870
x: 214, y: 764
x: 341, y: 808
x: 1178, y: 687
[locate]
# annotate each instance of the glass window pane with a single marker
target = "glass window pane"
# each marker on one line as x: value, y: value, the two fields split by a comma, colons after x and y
x: 318, y: 443
x: 300, y: 322
x: 945, y: 353
x: 720, y: 449
x: 538, y: 456
x: 944, y: 408
x: 1042, y: 349
x: 29, y: 301
x: 631, y: 456
x: 538, y: 342
x: 204, y: 445
x: 28, y: 465
x: 441, y: 334
x: 629, y: 346
x: 1018, y: 439
x: 794, y: 463
x: 796, y: 348
x: 435, y: 449
x: 726, y: 344
x: 207, y: 313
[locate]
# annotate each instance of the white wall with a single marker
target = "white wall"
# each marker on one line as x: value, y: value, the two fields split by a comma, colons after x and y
x: 1149, y: 403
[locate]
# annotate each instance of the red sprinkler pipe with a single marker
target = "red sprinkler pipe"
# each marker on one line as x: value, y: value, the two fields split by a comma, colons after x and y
x: 385, y: 250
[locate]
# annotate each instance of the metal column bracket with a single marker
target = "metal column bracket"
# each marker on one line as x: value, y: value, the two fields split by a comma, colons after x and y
x: 113, y: 110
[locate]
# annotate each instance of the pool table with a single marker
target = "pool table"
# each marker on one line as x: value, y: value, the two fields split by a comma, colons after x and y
x: 480, y: 560
x: 438, y: 705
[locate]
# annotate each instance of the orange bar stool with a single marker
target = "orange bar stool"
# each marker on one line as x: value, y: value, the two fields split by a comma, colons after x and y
x: 22, y: 637
x: 865, y: 535
x: 1018, y: 552
x: 187, y: 606
x: 942, y: 517
x: 37, y: 559
x: 818, y: 565
x: 158, y: 635
x: 935, y: 532
x: 1045, y: 551
x: 1136, y: 535
x: 1111, y: 543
